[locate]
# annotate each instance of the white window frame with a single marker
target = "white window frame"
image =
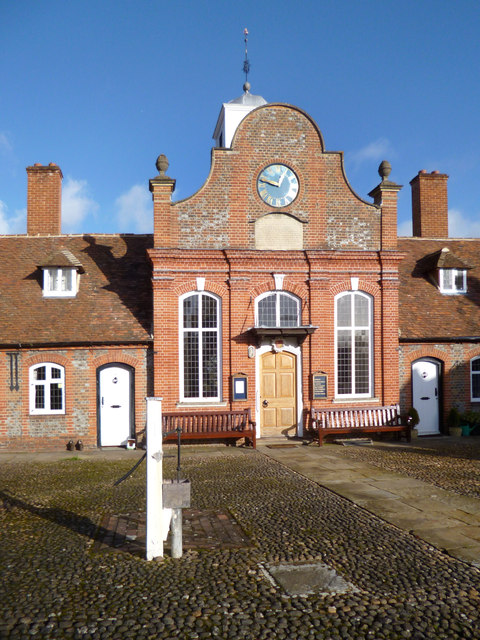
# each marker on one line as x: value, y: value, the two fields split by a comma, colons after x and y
x: 182, y: 330
x: 353, y: 328
x: 53, y: 279
x: 46, y: 383
x: 472, y: 374
x: 278, y: 295
x: 453, y: 290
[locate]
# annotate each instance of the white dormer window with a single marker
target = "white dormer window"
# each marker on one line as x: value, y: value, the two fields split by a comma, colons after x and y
x: 59, y: 282
x: 453, y: 281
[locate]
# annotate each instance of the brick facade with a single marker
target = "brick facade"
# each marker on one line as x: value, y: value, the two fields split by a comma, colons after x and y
x: 21, y: 430
x: 213, y: 236
x: 226, y: 248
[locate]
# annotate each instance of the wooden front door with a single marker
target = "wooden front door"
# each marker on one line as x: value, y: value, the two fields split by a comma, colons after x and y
x: 278, y: 394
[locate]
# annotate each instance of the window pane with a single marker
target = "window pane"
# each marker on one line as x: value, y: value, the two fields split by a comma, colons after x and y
x: 476, y: 385
x: 459, y: 282
x: 191, y: 365
x: 56, y: 373
x: 344, y: 362
x: 39, y: 396
x: 40, y: 373
x: 56, y: 400
x: 190, y: 312
x: 209, y: 363
x: 52, y: 279
x: 66, y: 279
x: 447, y: 279
x: 266, y: 311
x: 209, y: 312
x: 361, y: 311
x: 476, y: 364
x: 361, y: 361
x: 288, y: 311
x: 344, y: 311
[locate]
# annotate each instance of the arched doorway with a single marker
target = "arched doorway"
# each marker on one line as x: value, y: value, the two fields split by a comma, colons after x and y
x: 115, y: 385
x: 426, y: 394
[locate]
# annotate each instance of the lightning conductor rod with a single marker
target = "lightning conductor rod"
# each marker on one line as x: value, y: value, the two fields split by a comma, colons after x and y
x: 246, y: 62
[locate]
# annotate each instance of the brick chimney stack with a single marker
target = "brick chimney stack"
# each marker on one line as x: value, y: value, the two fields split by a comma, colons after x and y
x: 430, y: 205
x: 44, y: 200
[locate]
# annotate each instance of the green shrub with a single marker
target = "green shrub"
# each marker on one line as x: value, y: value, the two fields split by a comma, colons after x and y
x: 453, y: 418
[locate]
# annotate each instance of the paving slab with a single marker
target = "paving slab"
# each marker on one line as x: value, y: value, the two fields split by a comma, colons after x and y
x: 446, y: 520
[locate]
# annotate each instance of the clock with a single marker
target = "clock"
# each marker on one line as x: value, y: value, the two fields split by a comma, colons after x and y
x: 277, y: 185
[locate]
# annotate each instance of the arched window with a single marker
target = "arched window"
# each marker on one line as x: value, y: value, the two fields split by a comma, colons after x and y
x: 475, y: 378
x: 353, y: 322
x: 278, y: 309
x: 47, y: 388
x: 200, y: 346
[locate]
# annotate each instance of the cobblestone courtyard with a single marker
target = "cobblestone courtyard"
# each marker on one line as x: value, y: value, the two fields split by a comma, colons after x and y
x: 60, y: 581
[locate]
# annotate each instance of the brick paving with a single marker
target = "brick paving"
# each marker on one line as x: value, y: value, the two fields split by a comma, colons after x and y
x: 201, y: 529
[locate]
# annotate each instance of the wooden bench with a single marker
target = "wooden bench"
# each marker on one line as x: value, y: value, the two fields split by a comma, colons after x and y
x: 358, y: 420
x: 209, y: 425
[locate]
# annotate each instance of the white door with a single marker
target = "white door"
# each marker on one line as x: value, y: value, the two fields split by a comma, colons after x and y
x: 114, y: 406
x: 425, y: 382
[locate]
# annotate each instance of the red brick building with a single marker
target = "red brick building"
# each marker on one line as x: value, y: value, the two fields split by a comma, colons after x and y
x: 274, y: 287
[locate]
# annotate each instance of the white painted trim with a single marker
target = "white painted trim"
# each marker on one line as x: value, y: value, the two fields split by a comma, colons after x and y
x: 279, y: 278
x: 296, y: 350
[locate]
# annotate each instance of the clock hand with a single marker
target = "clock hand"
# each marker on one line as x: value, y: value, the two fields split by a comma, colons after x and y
x: 275, y: 184
x: 282, y: 177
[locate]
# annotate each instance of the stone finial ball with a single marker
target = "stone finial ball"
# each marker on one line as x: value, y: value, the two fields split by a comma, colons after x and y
x: 246, y: 87
x: 385, y: 169
x: 162, y: 164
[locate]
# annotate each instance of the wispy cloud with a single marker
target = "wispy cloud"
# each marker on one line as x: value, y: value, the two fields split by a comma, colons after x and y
x: 134, y: 210
x: 5, y: 144
x: 459, y: 226
x: 76, y: 204
x: 15, y: 223
x: 377, y: 151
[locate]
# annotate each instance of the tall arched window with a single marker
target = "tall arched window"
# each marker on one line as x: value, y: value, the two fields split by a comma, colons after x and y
x: 47, y: 388
x: 475, y: 378
x: 278, y: 309
x: 200, y: 346
x: 353, y: 321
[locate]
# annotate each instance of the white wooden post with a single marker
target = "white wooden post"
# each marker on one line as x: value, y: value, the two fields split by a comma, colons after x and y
x: 154, y: 533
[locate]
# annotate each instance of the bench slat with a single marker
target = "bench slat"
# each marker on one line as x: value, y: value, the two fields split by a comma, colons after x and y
x: 211, y: 424
x: 358, y: 419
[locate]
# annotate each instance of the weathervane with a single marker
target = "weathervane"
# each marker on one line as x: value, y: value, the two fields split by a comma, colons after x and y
x: 246, y: 63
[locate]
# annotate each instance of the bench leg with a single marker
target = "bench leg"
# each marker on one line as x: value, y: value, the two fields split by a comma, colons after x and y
x: 320, y: 438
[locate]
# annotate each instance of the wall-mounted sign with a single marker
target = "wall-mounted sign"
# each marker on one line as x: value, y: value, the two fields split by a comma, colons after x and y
x: 319, y: 385
x: 239, y: 386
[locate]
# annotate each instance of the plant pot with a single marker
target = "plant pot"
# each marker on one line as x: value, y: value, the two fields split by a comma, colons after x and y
x: 414, y: 433
x: 455, y: 431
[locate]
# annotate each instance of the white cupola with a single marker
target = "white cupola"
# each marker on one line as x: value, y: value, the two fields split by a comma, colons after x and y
x: 232, y: 113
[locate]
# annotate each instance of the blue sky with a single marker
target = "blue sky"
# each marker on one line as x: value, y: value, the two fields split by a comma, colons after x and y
x: 102, y: 88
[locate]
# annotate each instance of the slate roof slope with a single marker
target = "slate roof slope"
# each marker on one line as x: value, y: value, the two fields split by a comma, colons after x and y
x: 113, y: 303
x: 425, y: 313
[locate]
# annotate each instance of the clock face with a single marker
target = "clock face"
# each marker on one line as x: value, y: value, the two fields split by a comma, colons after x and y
x: 277, y: 185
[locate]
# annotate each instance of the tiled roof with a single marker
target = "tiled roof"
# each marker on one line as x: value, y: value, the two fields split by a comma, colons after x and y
x: 114, y: 301
x: 424, y: 311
